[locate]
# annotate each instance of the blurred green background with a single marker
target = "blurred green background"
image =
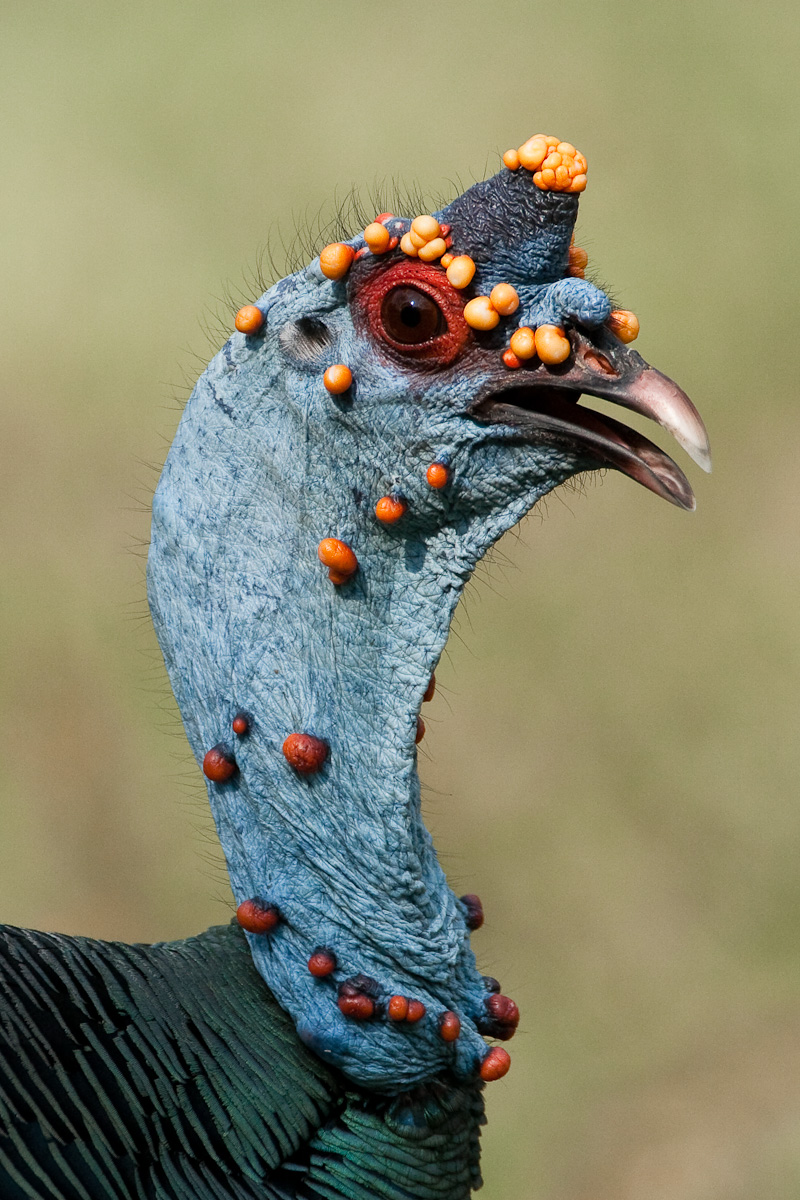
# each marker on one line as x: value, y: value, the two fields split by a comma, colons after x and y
x: 612, y: 758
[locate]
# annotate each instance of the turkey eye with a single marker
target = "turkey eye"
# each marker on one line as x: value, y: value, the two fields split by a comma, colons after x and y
x: 411, y: 317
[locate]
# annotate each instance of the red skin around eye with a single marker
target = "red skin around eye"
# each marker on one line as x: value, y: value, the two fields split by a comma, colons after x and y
x: 440, y: 351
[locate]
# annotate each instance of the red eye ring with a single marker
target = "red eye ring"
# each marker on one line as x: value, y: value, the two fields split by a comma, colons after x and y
x: 430, y: 280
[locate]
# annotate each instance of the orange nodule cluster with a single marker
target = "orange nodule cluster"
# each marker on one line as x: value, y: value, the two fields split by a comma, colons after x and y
x: 337, y: 379
x: 449, y: 1026
x: 322, y: 962
x: 340, y: 560
x: 484, y: 312
x: 305, y: 753
x: 420, y: 734
x: 249, y: 319
x: 219, y: 765
x: 430, y: 689
x: 400, y: 1008
x: 240, y: 724
x: 424, y: 239
x: 432, y: 250
x: 557, y: 165
x: 390, y: 509
x: 578, y: 262
x: 437, y: 475
x: 377, y: 237
x: 336, y: 260
x: 624, y: 324
x: 495, y: 1065
x: 257, y: 917
x: 550, y: 342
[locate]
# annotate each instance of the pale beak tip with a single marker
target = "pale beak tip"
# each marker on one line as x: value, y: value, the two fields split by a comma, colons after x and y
x: 702, y: 456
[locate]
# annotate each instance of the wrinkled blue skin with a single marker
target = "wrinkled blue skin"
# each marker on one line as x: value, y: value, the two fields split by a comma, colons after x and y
x: 265, y: 464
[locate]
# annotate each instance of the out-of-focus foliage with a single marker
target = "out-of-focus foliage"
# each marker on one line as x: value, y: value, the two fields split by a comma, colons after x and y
x: 612, y: 756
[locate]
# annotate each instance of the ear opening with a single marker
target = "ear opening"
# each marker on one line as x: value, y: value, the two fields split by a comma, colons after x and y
x: 306, y: 339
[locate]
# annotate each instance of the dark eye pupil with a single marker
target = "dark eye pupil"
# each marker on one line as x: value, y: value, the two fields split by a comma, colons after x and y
x: 410, y: 316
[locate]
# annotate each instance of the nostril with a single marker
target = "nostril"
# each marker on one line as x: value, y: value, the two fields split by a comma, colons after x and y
x: 599, y: 362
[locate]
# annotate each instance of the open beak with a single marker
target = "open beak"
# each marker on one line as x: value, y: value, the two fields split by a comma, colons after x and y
x: 541, y: 404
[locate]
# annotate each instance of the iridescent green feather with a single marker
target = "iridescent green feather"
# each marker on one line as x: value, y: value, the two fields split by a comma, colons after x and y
x: 170, y: 1071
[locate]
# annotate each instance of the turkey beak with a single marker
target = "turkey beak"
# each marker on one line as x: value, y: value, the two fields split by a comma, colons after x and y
x: 605, y: 367
x: 540, y: 402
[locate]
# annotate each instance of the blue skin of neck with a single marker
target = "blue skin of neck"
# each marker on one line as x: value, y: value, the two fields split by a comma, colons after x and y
x: 265, y: 464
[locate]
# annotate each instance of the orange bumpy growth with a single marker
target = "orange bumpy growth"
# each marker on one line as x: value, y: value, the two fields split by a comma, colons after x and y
x: 336, y: 260
x: 624, y: 324
x: 505, y: 299
x: 578, y: 261
x: 496, y: 1064
x: 377, y: 237
x: 432, y: 250
x: 219, y: 765
x: 523, y: 342
x: 397, y: 1008
x: 249, y: 319
x: 437, y: 475
x: 449, y: 1026
x: 424, y: 239
x: 460, y: 271
x: 306, y: 753
x: 484, y: 312
x: 480, y: 313
x: 552, y: 344
x: 337, y: 379
x: 358, y: 1007
x: 390, y: 509
x: 322, y: 963
x: 557, y: 165
x: 338, y: 558
x: 257, y: 917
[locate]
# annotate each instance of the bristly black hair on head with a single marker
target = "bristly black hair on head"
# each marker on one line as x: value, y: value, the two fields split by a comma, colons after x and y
x: 334, y: 221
